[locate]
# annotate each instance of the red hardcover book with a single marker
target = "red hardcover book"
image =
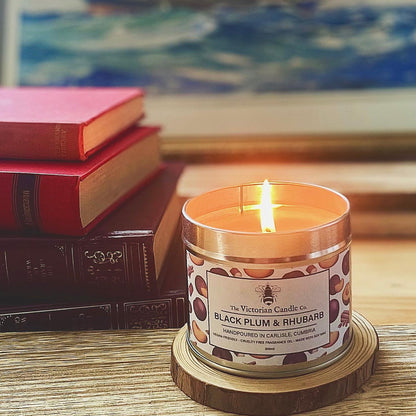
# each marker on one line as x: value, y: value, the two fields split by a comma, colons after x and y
x: 69, y: 198
x: 52, y: 123
x: 122, y: 256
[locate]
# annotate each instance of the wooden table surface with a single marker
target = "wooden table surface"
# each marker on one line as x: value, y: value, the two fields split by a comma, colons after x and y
x: 126, y: 372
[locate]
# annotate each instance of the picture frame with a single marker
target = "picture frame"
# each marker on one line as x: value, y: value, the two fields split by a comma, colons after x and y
x: 9, y: 49
x: 375, y: 121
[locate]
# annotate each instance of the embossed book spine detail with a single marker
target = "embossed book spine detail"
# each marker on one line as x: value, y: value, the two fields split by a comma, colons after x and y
x: 151, y: 314
x: 163, y: 313
x: 25, y: 201
x: 110, y: 268
x: 33, y: 265
x: 104, y: 265
x: 147, y: 262
x: 77, y: 318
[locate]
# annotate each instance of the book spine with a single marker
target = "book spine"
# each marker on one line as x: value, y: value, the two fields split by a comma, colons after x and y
x: 111, y: 267
x: 152, y: 314
x: 75, y: 318
x: 117, y: 267
x: 39, y: 203
x: 41, y: 141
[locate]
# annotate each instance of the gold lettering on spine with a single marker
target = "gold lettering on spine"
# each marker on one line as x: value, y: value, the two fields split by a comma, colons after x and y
x: 60, y: 141
x: 27, y: 213
x: 25, y: 196
x: 146, y: 268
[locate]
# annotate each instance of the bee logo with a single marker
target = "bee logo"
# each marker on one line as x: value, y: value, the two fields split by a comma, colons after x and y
x: 268, y: 294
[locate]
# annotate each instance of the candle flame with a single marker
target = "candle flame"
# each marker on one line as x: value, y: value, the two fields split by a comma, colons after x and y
x: 266, y: 209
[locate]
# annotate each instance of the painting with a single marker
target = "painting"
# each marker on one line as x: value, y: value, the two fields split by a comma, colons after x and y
x: 262, y: 57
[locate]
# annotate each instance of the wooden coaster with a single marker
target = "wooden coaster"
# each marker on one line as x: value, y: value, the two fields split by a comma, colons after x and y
x: 278, y: 396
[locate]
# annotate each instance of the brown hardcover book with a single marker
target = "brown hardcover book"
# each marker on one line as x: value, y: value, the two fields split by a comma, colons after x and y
x: 167, y: 310
x: 121, y: 255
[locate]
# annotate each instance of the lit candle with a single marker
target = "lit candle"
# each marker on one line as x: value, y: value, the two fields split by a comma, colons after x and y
x: 266, y: 209
x: 289, y: 217
x: 268, y: 277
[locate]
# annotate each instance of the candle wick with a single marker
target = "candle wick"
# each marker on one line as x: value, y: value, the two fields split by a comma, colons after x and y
x: 267, y: 230
x: 241, y: 200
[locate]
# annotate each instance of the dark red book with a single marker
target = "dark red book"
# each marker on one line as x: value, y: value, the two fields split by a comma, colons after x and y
x: 70, y: 198
x: 166, y: 310
x: 121, y: 256
x: 58, y: 123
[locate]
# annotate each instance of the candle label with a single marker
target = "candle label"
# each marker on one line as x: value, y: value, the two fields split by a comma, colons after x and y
x: 268, y: 316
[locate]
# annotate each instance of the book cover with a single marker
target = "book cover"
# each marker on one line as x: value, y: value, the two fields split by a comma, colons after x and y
x: 63, y: 123
x: 166, y: 310
x: 122, y: 255
x: 70, y: 198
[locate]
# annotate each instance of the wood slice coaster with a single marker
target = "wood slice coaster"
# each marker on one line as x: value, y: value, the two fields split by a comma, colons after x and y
x: 278, y: 396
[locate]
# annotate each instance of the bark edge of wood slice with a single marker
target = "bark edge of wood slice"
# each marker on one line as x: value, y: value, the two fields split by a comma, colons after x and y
x: 277, y: 396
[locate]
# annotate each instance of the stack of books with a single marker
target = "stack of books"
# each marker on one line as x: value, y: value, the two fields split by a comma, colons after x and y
x: 89, y: 214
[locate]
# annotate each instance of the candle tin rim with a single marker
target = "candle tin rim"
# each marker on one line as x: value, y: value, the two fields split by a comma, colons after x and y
x: 277, y: 247
x: 340, y: 218
x: 220, y: 257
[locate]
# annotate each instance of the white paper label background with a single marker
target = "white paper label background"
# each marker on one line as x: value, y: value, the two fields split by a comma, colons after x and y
x: 298, y: 320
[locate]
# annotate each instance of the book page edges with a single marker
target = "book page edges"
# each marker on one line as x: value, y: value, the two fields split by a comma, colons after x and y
x: 111, y: 181
x: 165, y: 232
x: 106, y: 126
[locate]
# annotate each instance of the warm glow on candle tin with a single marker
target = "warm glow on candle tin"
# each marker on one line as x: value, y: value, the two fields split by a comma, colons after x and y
x: 268, y: 297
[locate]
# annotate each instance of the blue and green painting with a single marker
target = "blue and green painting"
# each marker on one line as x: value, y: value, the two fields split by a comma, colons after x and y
x: 219, y: 47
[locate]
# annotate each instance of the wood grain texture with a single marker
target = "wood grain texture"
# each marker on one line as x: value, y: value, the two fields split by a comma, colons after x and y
x: 282, y: 396
x: 287, y: 147
x: 127, y: 373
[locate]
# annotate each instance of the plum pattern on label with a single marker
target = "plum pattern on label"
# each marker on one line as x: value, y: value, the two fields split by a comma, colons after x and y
x: 336, y: 312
